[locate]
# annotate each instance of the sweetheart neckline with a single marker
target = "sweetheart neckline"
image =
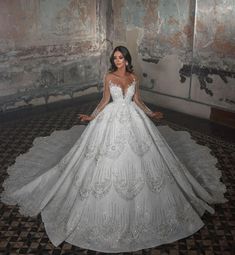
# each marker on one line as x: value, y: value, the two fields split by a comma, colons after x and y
x: 117, y: 85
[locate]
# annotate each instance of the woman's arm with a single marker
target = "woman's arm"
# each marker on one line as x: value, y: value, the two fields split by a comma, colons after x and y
x: 137, y: 99
x: 104, y: 101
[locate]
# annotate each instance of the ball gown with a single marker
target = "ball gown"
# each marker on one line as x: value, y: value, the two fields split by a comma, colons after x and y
x: 118, y: 184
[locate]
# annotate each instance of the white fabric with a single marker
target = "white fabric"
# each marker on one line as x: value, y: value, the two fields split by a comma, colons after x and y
x: 119, y: 184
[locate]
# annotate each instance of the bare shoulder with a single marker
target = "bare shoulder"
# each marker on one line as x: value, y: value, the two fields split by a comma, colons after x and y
x: 135, y: 76
x: 108, y: 75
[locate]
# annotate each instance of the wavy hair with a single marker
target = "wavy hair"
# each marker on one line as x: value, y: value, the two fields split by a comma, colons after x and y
x: 127, y: 56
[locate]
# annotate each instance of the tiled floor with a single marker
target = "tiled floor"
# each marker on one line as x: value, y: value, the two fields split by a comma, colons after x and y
x: 25, y: 235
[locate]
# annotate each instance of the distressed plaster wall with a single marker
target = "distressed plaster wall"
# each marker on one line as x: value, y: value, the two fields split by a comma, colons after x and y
x: 183, y: 51
x: 50, y: 49
x: 214, y: 54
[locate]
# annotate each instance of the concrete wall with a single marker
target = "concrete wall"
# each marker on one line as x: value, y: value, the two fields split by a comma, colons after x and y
x: 50, y: 50
x: 183, y: 51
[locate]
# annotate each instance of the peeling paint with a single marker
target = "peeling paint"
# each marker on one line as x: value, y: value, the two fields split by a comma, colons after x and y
x: 133, y: 12
x: 59, y: 55
x: 171, y: 32
x: 59, y: 18
x: 151, y: 60
x: 203, y: 75
x: 214, y: 34
x: 199, y: 32
x: 56, y: 47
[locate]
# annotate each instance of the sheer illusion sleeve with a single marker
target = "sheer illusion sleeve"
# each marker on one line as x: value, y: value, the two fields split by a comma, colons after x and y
x: 137, y: 99
x: 105, y: 99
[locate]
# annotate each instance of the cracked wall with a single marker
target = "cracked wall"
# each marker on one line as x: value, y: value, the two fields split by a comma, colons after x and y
x: 183, y: 51
x: 50, y: 50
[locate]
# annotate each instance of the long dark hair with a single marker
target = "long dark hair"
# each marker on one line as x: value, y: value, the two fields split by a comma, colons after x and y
x: 127, y: 56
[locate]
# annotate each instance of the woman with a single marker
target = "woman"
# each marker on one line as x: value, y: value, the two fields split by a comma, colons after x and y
x: 118, y: 185
x: 120, y: 73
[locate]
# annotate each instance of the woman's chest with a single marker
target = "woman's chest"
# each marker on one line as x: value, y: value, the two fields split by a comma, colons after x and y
x: 118, y: 91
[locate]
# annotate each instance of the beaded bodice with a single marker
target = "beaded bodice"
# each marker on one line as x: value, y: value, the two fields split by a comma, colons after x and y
x: 117, y: 93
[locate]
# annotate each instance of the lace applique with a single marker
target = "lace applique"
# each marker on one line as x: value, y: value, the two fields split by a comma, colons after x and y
x: 115, y: 228
x: 83, y: 181
x: 141, y: 143
x: 128, y: 184
x: 113, y: 147
x: 90, y: 151
x: 123, y: 115
x: 116, y: 89
x: 154, y: 175
x: 103, y: 182
x: 105, y: 231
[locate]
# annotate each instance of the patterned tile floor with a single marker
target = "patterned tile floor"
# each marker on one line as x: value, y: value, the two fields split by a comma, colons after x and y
x: 25, y: 235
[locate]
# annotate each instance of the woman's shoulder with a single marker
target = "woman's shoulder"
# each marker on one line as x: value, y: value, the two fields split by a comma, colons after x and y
x: 135, y: 76
x: 108, y: 76
x: 111, y: 75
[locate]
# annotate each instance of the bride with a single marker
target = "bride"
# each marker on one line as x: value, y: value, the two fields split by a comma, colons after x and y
x: 120, y: 183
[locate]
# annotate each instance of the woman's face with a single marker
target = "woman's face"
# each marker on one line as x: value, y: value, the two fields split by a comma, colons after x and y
x: 119, y: 60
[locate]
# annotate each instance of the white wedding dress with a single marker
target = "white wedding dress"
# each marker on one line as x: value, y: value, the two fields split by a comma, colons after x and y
x: 119, y: 184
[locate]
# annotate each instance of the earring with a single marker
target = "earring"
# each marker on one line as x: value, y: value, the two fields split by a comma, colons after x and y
x: 126, y: 63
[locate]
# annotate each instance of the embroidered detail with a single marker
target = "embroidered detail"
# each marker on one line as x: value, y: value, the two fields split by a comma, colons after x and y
x: 127, y: 182
x: 117, y: 88
x: 90, y: 151
x: 113, y: 147
x: 115, y: 228
x: 123, y: 115
x: 153, y: 171
x: 102, y: 183
x: 82, y: 181
x: 106, y: 204
x: 140, y: 143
